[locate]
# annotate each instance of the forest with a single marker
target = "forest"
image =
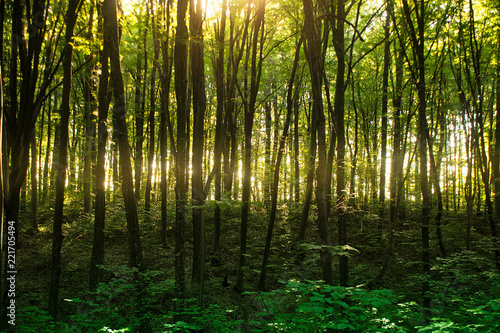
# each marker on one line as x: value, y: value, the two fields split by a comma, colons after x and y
x: 250, y: 166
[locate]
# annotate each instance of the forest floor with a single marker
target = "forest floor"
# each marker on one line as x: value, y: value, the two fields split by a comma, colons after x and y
x: 460, y: 276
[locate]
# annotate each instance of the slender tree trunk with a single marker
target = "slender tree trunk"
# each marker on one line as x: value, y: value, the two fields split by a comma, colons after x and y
x: 385, y: 86
x: 140, y: 109
x: 21, y: 115
x: 165, y: 123
x: 274, y: 194
x: 309, y: 180
x: 496, y: 160
x: 338, y: 41
x: 97, y: 256
x: 220, y: 139
x: 199, y: 106
x: 89, y: 123
x: 45, y: 174
x: 418, y: 45
x: 152, y: 110
x: 180, y: 70
x: 255, y: 73
x: 34, y: 184
x: 296, y: 152
x: 396, y: 158
x: 120, y: 134
x: 62, y: 163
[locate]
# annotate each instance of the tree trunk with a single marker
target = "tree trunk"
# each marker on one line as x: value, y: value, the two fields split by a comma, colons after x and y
x: 296, y: 152
x: 309, y: 181
x: 140, y: 106
x: 220, y: 140
x: 274, y: 194
x: 496, y: 160
x: 385, y: 86
x: 152, y: 108
x: 418, y: 46
x: 255, y: 73
x: 89, y: 123
x: 21, y: 115
x: 396, y: 158
x: 62, y: 163
x: 199, y: 106
x: 97, y: 256
x: 338, y: 41
x: 180, y: 70
x: 34, y: 184
x: 120, y: 134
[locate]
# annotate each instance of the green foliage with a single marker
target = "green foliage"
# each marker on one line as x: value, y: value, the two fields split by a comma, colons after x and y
x: 122, y: 302
x: 34, y: 320
x: 317, y: 307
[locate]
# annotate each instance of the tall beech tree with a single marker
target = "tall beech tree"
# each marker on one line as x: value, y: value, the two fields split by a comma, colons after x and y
x: 104, y: 97
x: 199, y: 106
x: 256, y: 59
x: 181, y: 93
x: 62, y: 163
x: 291, y: 97
x: 415, y: 19
x: 152, y: 108
x: 339, y: 113
x: 120, y: 134
x: 219, y: 140
x: 312, y: 48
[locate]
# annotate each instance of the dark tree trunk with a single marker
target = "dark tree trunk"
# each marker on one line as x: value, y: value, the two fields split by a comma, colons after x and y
x: 45, y: 173
x: 496, y: 160
x: 296, y: 152
x: 89, y: 123
x: 26, y: 92
x: 152, y: 108
x: 165, y: 123
x: 385, y: 86
x: 274, y: 194
x: 34, y: 184
x: 418, y: 46
x: 198, y: 195
x: 255, y: 74
x: 312, y: 49
x: 309, y: 181
x: 140, y: 109
x: 220, y: 139
x: 180, y: 70
x: 62, y: 163
x: 338, y: 42
x: 120, y: 134
x: 396, y: 158
x: 97, y: 257
x: 266, y: 183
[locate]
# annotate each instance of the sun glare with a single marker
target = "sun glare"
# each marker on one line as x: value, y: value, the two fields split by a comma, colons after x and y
x: 210, y: 7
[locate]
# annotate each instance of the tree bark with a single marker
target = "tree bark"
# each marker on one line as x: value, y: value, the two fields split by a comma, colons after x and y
x: 418, y: 46
x: 62, y: 163
x: 97, y: 256
x: 274, y: 194
x: 34, y: 184
x: 255, y: 74
x: 152, y: 110
x: 220, y: 139
x: 180, y: 70
x: 121, y: 136
x: 339, y: 110
x: 198, y: 194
